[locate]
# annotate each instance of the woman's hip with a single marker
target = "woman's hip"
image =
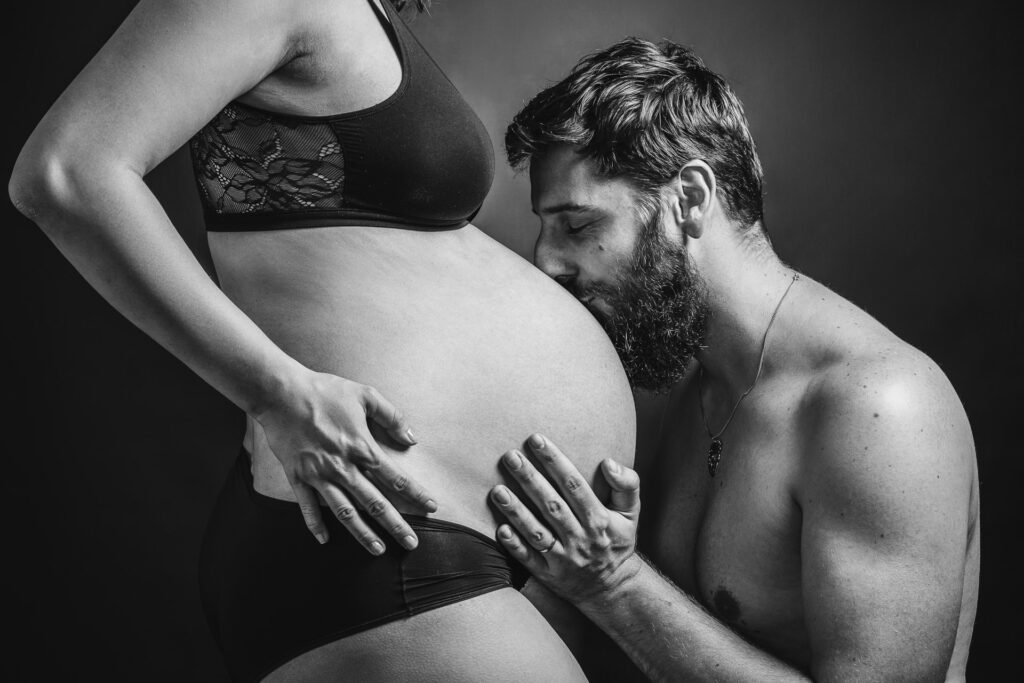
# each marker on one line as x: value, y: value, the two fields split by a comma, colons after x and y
x: 274, y: 597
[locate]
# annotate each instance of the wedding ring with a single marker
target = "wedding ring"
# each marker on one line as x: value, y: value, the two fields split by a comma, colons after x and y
x: 548, y: 549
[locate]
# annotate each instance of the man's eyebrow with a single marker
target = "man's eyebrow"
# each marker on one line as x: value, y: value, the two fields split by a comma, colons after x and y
x: 569, y: 207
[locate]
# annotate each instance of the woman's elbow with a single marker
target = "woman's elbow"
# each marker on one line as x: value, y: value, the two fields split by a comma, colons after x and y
x: 40, y: 184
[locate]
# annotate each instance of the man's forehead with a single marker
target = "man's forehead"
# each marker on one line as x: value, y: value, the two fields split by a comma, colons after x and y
x: 563, y: 181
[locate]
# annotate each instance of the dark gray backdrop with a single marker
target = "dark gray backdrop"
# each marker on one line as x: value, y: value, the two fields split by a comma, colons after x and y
x: 888, y: 131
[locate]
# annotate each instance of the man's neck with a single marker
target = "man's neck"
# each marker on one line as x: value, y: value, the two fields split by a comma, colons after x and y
x: 745, y: 285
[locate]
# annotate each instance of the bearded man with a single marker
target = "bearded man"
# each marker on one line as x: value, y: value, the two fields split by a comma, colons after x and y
x: 812, y: 510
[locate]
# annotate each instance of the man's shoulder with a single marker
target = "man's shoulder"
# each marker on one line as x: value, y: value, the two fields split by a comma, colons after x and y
x: 885, y: 411
x: 858, y: 371
x: 893, y: 377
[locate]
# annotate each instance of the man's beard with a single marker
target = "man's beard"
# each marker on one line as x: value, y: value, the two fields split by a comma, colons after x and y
x: 660, y: 311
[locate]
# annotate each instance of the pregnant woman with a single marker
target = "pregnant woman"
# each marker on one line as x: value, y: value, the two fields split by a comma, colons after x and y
x: 339, y: 170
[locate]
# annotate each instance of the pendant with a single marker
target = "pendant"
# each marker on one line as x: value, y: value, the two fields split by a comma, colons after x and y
x: 714, y: 456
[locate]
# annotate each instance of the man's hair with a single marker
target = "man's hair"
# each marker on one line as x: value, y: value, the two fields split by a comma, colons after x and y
x: 642, y: 111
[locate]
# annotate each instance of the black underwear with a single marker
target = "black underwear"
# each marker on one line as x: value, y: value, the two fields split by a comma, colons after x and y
x: 271, y: 592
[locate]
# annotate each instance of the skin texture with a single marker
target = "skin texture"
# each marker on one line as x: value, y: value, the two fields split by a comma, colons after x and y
x: 447, y: 644
x: 335, y: 341
x: 442, y: 349
x: 169, y: 68
x: 839, y: 539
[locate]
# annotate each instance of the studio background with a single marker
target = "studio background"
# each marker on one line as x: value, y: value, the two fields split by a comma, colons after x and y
x: 890, y: 144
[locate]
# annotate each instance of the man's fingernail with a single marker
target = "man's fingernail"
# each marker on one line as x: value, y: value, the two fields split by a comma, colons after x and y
x: 513, y: 460
x: 501, y: 495
x: 409, y: 436
x: 613, y: 467
x: 505, y: 533
x: 537, y: 441
x: 409, y: 542
x: 431, y: 506
x: 376, y: 547
x: 322, y: 537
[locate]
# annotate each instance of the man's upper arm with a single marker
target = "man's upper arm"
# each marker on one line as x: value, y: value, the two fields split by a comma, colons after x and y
x: 885, y: 494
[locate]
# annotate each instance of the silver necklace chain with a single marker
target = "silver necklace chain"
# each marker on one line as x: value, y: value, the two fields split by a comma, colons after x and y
x: 715, y: 450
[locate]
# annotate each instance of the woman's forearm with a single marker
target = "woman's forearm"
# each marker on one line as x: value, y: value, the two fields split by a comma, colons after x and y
x: 163, y: 75
x: 105, y: 220
x: 110, y: 226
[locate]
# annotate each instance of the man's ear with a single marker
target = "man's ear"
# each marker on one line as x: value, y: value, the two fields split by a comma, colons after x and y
x: 696, y: 193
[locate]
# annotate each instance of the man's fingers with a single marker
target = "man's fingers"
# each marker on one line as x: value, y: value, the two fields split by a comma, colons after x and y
x: 625, y: 485
x: 526, y: 556
x: 570, y: 482
x: 538, y: 536
x: 385, y: 414
x: 342, y: 508
x: 542, y: 493
x: 309, y: 506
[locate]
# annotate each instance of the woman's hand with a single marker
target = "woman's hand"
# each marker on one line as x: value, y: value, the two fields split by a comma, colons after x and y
x: 585, y: 548
x: 320, y: 432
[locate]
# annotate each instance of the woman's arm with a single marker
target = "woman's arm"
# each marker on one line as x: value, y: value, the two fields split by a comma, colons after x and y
x: 168, y: 70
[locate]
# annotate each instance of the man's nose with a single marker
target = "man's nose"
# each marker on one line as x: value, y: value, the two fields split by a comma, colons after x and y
x: 552, y: 262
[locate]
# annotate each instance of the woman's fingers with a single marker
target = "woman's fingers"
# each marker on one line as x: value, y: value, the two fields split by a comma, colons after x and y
x: 367, y: 497
x: 334, y: 408
x: 374, y: 504
x: 538, y: 536
x: 363, y: 451
x: 385, y: 414
x: 342, y: 508
x: 309, y: 506
x: 391, y: 477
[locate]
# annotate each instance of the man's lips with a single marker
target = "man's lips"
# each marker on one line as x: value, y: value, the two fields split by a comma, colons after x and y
x: 597, y: 305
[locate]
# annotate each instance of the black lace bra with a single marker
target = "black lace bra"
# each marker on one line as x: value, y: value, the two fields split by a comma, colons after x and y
x: 420, y: 159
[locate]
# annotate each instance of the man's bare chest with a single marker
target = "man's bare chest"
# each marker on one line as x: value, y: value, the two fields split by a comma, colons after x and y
x: 732, y: 540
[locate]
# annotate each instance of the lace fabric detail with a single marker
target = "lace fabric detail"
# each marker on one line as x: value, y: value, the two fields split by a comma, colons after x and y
x: 247, y: 162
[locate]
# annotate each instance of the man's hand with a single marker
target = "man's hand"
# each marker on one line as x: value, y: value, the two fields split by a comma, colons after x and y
x: 582, y: 549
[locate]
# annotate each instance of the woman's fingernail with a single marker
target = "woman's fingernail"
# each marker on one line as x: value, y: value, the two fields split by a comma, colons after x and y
x: 321, y: 537
x: 501, y: 495
x: 431, y: 506
x: 513, y: 460
x: 409, y: 542
x: 537, y: 441
x: 376, y: 547
x: 409, y: 436
x: 613, y: 467
x: 505, y: 533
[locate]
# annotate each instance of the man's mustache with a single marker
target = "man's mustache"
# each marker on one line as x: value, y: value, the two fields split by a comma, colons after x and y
x: 591, y: 291
x: 586, y: 293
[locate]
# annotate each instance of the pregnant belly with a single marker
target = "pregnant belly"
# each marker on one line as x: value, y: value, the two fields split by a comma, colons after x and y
x: 478, y: 348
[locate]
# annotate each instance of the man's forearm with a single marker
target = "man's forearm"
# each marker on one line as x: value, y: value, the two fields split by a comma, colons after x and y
x: 670, y: 637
